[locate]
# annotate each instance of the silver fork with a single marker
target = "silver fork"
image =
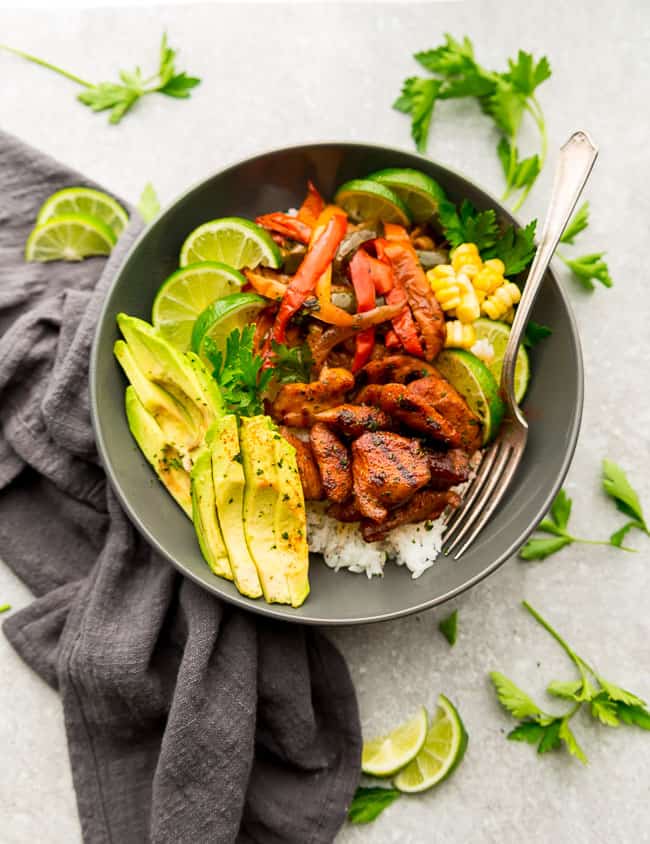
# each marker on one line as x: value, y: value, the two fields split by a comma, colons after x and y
x: 500, y: 461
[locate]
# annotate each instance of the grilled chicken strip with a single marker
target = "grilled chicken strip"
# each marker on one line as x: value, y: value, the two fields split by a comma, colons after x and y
x: 417, y: 413
x: 352, y: 420
x: 425, y: 504
x: 297, y: 404
x: 440, y: 394
x: 333, y: 461
x: 448, y: 468
x: 394, y: 369
x: 387, y: 469
x: 307, y: 468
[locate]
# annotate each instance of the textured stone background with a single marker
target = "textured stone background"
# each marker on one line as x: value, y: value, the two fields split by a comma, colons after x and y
x: 280, y: 73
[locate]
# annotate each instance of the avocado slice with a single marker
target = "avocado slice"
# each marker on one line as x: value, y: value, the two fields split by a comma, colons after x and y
x: 229, y: 486
x: 274, y: 512
x: 204, y: 516
x: 165, y: 459
x: 181, y: 376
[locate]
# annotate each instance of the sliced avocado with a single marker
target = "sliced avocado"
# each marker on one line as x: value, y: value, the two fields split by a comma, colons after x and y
x: 274, y: 512
x: 229, y: 486
x: 165, y: 459
x: 204, y: 516
x: 183, y: 378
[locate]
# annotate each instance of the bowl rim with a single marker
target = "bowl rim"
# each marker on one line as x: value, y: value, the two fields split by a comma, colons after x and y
x: 278, y: 611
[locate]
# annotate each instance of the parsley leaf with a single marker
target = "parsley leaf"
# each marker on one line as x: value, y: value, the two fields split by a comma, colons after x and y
x: 291, y: 365
x: 570, y: 742
x: 449, y: 627
x: 148, y: 204
x: 589, y: 268
x: 526, y: 75
x: 467, y: 225
x: 515, y: 247
x: 535, y: 332
x: 637, y: 716
x: 239, y: 373
x: 617, y: 486
x: 512, y: 698
x: 540, y: 549
x: 577, y: 224
x: 120, y: 97
x: 418, y: 99
x: 529, y: 731
x: 368, y: 803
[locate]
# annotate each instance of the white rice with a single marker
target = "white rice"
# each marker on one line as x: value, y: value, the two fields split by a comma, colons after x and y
x: 415, y: 546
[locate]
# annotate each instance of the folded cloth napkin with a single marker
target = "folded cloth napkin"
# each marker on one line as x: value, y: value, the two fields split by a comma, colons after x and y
x: 187, y: 720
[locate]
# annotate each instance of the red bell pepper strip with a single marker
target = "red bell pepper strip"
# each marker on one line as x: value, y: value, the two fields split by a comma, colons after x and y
x: 287, y: 225
x: 362, y: 273
x: 312, y: 206
x: 318, y: 258
x: 403, y: 325
x: 392, y: 341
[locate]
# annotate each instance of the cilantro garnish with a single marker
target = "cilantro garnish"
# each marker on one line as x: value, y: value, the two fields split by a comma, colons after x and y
x: 240, y: 372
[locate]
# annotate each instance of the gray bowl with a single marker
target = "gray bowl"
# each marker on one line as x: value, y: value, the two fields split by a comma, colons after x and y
x: 277, y: 180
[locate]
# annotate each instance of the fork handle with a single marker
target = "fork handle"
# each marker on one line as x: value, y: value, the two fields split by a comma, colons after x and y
x: 577, y: 157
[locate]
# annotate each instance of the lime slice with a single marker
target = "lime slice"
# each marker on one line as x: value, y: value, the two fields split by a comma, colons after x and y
x: 364, y: 199
x: 383, y: 756
x: 187, y: 293
x: 476, y: 384
x: 69, y: 237
x: 443, y: 749
x: 419, y: 192
x: 233, y: 241
x: 223, y: 316
x: 497, y: 333
x: 94, y: 203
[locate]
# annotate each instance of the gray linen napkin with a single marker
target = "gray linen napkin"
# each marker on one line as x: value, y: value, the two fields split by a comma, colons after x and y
x: 187, y: 720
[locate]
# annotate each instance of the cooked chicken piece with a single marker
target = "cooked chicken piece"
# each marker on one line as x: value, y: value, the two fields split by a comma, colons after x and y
x: 425, y: 504
x: 346, y: 512
x: 448, y: 468
x: 394, y: 369
x: 440, y: 394
x: 333, y: 461
x: 369, y: 394
x: 387, y: 470
x: 307, y: 468
x: 417, y: 413
x: 296, y: 404
x: 352, y: 420
x: 426, y: 310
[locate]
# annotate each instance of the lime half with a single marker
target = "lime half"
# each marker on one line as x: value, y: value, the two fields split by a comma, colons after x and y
x: 94, y: 203
x: 496, y: 334
x: 69, y: 237
x: 419, y: 192
x: 364, y: 199
x: 233, y: 241
x: 384, y: 756
x: 443, y: 749
x: 476, y: 384
x: 223, y: 316
x: 187, y: 293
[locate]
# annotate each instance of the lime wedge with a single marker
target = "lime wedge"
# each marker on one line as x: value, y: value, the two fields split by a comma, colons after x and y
x: 476, y: 384
x: 94, y: 203
x: 223, y: 316
x: 69, y: 237
x: 443, y: 749
x: 496, y: 334
x: 383, y: 756
x: 233, y: 241
x: 364, y: 199
x: 419, y: 192
x: 187, y: 293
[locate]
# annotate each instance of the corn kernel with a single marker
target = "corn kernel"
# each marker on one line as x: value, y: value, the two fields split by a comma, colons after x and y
x: 470, y: 270
x: 459, y: 335
x: 498, y: 305
x: 488, y: 280
x: 469, y: 308
x: 464, y: 254
x: 441, y: 271
x: 495, y: 264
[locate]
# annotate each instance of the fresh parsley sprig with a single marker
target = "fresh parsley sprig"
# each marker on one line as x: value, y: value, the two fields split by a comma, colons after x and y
x: 239, y: 372
x: 586, y: 268
x: 291, y: 364
x: 606, y: 702
x: 120, y: 97
x: 504, y: 96
x: 449, y: 627
x: 618, y: 488
x: 369, y: 803
x: 556, y: 524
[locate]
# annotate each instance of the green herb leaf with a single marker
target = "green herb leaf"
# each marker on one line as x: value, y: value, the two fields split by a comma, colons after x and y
x: 569, y: 690
x: 515, y: 247
x: 239, y: 374
x: 535, y: 332
x: 565, y: 733
x: 604, y: 710
x: 540, y: 549
x: 451, y: 59
x: 548, y: 526
x: 577, y: 224
x: 616, y: 539
x: 618, y: 694
x: 637, y: 716
x: 148, y: 204
x: 589, y: 268
x: 512, y: 698
x: 561, y: 509
x: 179, y: 86
x: 449, y: 627
x: 617, y: 486
x: 291, y: 365
x: 551, y: 739
x: 5, y: 608
x: 368, y: 803
x: 467, y: 225
x: 526, y: 75
x: 529, y: 731
x: 418, y: 99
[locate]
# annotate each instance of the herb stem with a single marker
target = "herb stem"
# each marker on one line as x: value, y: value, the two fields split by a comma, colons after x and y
x: 43, y: 63
x: 573, y: 656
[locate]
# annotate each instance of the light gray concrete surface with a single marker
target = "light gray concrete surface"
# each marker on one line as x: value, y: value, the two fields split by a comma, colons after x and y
x: 278, y: 74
